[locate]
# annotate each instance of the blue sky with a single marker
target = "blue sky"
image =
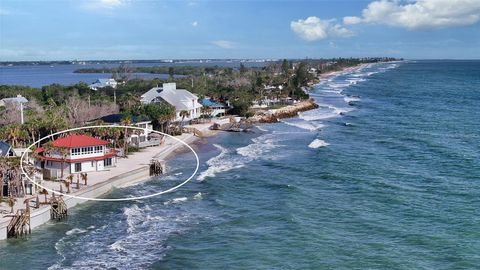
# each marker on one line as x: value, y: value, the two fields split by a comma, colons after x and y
x: 150, y: 29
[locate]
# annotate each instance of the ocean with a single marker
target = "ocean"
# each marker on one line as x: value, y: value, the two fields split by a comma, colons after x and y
x: 383, y: 175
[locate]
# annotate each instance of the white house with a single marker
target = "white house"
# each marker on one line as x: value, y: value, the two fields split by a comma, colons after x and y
x: 82, y: 154
x: 140, y: 138
x: 218, y: 109
x: 101, y: 83
x: 181, y: 99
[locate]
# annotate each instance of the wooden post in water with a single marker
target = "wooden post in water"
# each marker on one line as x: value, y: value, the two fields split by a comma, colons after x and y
x: 157, y: 167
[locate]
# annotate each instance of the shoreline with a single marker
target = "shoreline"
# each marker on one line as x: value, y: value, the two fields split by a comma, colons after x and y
x: 273, y: 115
x: 126, y: 174
x: 140, y: 172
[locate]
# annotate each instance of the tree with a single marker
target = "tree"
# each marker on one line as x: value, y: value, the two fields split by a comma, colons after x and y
x: 11, y: 203
x: 171, y: 72
x: 184, y: 114
x: 126, y: 121
x: 285, y: 67
x: 67, y: 183
x: 243, y: 69
x: 84, y: 178
x: 129, y: 102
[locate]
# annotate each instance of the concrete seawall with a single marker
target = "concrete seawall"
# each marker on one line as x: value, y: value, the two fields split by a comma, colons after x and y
x: 42, y: 215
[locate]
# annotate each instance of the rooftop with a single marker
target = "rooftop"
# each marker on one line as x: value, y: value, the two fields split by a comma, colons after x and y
x: 75, y: 140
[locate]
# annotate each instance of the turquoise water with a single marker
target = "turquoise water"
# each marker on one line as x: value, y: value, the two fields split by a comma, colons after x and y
x: 384, y: 175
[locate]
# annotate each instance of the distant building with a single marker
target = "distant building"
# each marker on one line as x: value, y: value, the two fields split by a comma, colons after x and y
x: 101, y: 83
x: 16, y: 100
x: 6, y: 150
x: 218, y: 109
x: 181, y: 99
x: 83, y: 154
x: 140, y: 139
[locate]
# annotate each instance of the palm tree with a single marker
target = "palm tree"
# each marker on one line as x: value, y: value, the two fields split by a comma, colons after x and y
x: 84, y: 177
x: 11, y: 203
x: 67, y: 183
x: 70, y: 177
x: 129, y: 101
x: 184, y: 114
x: 207, y: 111
x: 13, y: 133
x: 126, y: 121
x: 63, y: 153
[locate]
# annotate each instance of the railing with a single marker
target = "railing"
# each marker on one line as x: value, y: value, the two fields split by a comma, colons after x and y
x: 20, y: 224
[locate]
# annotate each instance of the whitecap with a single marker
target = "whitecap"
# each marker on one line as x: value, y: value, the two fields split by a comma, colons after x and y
x: 75, y: 231
x: 198, y: 196
x: 317, y: 143
x: 221, y: 163
x: 303, y: 125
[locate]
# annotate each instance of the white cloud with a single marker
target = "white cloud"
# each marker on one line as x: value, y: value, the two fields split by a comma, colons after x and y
x: 225, y: 44
x: 194, y: 24
x: 103, y: 4
x: 313, y: 28
x: 420, y: 14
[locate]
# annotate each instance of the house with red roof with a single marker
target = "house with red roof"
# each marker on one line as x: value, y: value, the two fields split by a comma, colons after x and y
x: 75, y: 154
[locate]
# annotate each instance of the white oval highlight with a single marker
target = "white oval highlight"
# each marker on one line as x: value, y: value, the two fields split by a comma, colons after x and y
x: 115, y: 199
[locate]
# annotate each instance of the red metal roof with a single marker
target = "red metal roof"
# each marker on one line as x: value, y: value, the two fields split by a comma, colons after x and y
x: 75, y: 140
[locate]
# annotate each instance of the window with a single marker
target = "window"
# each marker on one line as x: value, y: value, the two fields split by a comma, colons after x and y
x: 78, y: 167
x: 108, y: 162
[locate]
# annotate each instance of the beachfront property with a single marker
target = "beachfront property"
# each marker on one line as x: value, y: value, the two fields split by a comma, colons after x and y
x: 217, y: 108
x: 75, y: 154
x: 101, y: 83
x: 181, y: 99
x: 139, y: 138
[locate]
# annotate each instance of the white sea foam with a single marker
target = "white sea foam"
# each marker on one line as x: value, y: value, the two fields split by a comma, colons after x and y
x: 198, y: 196
x: 262, y: 129
x: 317, y: 143
x: 221, y: 163
x: 134, y: 216
x: 117, y: 246
x: 75, y: 231
x: 351, y: 99
x: 176, y: 200
x: 303, y: 124
x: 260, y: 146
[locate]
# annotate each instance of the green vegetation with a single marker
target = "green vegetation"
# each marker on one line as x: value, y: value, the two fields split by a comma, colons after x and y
x: 56, y: 107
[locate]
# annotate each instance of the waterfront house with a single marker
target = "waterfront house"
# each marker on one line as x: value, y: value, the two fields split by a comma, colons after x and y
x: 101, y: 83
x: 218, y: 109
x: 75, y: 154
x: 181, y: 99
x: 139, y: 138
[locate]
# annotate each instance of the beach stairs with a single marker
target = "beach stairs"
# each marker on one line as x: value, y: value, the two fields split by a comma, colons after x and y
x: 20, y: 224
x: 58, y: 210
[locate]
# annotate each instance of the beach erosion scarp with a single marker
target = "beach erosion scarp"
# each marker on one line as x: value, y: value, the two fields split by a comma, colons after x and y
x: 128, y: 171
